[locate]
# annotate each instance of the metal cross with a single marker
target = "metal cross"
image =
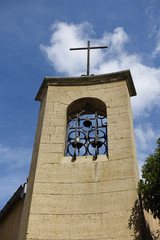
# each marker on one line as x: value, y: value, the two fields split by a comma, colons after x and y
x: 88, y: 53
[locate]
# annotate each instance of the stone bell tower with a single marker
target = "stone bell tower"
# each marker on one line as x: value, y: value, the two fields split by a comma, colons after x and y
x: 83, y: 176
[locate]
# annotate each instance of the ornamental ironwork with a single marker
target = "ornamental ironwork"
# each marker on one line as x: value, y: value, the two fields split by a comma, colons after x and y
x: 86, y: 134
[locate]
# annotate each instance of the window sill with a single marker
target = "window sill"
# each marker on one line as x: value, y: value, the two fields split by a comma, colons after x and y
x: 85, y: 159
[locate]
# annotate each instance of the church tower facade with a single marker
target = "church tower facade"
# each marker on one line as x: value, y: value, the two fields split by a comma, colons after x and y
x: 84, y: 174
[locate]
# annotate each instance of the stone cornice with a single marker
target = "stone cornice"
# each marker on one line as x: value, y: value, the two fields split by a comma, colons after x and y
x: 88, y: 80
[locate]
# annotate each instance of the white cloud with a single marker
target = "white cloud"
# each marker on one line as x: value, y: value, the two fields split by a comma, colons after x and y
x: 14, y: 157
x: 156, y: 50
x: 64, y: 37
x: 14, y: 164
x: 145, y: 137
x: 152, y: 13
x: 115, y: 58
x: 145, y: 141
x: 141, y: 157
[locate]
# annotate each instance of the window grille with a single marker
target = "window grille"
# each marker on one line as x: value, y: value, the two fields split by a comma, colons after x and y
x: 86, y: 133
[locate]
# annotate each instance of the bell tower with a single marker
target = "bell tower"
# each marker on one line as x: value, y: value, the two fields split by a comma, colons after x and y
x: 84, y: 174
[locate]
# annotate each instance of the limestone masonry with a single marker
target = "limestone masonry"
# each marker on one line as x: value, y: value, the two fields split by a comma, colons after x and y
x: 84, y: 199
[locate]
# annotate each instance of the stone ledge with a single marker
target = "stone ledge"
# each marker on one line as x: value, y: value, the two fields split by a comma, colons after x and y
x: 88, y: 80
x: 84, y: 159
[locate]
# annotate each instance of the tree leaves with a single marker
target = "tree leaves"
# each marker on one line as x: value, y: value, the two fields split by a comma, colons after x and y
x: 149, y: 186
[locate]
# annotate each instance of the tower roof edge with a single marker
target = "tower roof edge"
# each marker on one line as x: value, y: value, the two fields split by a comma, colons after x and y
x: 89, y: 80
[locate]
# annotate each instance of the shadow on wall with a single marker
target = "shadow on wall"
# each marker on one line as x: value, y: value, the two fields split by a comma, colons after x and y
x: 138, y: 223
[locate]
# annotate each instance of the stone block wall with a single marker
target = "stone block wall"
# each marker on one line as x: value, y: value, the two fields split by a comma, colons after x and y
x: 84, y: 199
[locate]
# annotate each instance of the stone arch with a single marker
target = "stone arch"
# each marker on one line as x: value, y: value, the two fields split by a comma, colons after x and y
x: 86, y: 128
x: 79, y: 104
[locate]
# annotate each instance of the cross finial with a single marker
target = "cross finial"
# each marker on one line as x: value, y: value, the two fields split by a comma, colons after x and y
x: 88, y: 53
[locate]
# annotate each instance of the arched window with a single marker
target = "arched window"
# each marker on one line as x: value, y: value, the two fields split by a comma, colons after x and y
x: 86, y: 128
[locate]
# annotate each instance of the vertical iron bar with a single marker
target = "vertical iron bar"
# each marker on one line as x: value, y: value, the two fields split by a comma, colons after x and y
x: 97, y: 132
x: 96, y: 148
x: 88, y: 55
x: 92, y: 140
x: 87, y: 144
x: 74, y: 157
x: 78, y: 133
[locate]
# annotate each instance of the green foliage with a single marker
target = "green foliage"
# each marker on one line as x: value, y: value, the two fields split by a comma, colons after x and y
x: 149, y: 186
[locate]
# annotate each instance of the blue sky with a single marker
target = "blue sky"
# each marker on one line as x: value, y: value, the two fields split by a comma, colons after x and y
x: 35, y: 37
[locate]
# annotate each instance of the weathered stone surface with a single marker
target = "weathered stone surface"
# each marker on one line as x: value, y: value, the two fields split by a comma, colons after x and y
x: 84, y: 199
